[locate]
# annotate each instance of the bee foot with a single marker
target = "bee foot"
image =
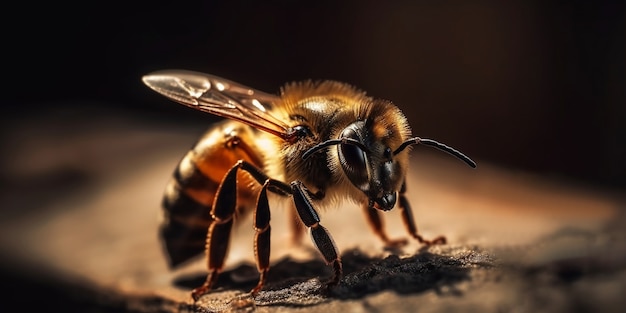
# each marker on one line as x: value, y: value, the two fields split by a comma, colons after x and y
x: 199, y: 292
x: 441, y: 240
x: 395, y: 243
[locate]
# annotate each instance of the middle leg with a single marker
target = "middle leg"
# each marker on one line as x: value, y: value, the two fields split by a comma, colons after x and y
x: 262, y: 231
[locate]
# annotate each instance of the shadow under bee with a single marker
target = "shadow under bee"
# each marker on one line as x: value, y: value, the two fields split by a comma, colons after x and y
x: 364, y: 275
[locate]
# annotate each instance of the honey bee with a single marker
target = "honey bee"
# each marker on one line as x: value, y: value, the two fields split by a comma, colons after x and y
x: 316, y: 143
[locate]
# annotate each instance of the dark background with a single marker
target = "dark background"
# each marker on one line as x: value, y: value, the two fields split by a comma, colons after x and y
x: 531, y: 85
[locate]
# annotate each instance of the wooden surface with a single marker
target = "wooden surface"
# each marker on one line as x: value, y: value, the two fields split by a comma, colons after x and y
x: 79, y: 231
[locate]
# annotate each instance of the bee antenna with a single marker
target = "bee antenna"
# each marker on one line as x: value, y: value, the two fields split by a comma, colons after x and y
x: 332, y: 142
x: 319, y: 147
x: 438, y: 145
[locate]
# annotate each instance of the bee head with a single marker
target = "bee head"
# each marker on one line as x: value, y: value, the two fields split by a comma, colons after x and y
x: 372, y: 166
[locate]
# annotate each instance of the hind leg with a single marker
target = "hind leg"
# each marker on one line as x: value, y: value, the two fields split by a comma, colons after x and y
x: 218, y: 236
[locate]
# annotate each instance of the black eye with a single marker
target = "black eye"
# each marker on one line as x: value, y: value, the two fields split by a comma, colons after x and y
x: 354, y: 156
x: 387, y: 154
x: 302, y: 131
x: 353, y: 159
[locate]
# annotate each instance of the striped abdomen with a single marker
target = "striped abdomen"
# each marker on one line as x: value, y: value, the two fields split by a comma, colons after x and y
x: 189, y: 195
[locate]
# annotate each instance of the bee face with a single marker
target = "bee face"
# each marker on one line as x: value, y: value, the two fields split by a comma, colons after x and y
x: 370, y: 166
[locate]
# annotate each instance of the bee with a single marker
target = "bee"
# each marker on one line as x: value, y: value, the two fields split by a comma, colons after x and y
x: 316, y: 143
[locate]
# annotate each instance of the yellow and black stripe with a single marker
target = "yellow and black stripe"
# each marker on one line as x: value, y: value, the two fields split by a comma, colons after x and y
x: 187, y: 216
x: 189, y: 195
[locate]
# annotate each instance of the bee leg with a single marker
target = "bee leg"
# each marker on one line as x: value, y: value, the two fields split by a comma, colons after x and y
x: 261, y: 216
x: 218, y: 236
x: 296, y: 227
x: 320, y: 235
x: 262, y: 230
x: 217, y: 245
x: 376, y: 223
x: 409, y: 222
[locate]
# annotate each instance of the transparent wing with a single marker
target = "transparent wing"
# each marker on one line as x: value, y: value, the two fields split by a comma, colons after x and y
x: 219, y: 96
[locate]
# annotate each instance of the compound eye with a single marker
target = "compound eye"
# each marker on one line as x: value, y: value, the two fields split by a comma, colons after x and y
x: 353, y: 159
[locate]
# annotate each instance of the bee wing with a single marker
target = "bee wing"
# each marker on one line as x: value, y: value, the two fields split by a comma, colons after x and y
x: 219, y: 96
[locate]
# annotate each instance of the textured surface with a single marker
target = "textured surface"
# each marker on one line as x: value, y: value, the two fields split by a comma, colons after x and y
x: 79, y: 231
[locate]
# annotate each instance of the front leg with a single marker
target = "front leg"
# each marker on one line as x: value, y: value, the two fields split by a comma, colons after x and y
x: 376, y: 223
x: 322, y: 239
x: 409, y: 222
